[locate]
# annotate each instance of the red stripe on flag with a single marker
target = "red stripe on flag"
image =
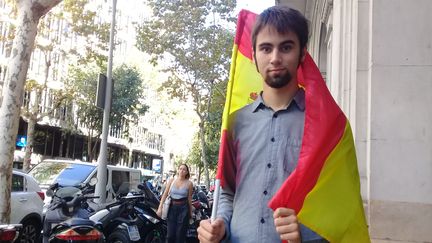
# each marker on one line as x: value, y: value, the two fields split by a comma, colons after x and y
x: 324, y: 127
x: 245, y: 23
x: 226, y: 168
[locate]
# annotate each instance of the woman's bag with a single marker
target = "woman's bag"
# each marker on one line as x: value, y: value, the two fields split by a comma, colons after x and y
x: 165, y: 207
x: 166, y: 204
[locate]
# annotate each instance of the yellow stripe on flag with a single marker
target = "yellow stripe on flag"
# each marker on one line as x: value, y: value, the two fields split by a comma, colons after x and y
x: 333, y: 208
x: 244, y: 80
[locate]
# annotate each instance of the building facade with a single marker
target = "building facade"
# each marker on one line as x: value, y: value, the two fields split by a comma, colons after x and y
x: 143, y: 148
x: 376, y: 57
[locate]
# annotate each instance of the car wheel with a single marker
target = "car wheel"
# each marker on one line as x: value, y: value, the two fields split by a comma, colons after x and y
x: 30, y: 232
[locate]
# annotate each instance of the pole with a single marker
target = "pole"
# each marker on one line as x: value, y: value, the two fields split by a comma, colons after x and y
x: 102, y: 159
x: 215, y: 200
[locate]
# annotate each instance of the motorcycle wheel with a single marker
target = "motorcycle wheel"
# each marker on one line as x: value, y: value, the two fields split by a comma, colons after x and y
x: 156, y: 236
x: 118, y: 236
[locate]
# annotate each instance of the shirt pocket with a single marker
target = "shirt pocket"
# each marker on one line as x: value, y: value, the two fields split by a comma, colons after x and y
x: 291, y: 155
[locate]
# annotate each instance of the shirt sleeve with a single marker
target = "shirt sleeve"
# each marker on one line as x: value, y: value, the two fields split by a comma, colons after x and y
x: 225, y: 210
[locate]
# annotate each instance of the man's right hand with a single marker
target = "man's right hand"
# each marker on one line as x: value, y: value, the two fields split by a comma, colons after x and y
x: 211, y: 232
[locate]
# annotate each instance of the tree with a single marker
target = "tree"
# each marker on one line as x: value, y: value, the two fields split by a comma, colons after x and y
x: 84, y: 82
x: 29, y: 14
x: 212, y: 133
x: 82, y: 25
x: 127, y: 104
x: 191, y: 36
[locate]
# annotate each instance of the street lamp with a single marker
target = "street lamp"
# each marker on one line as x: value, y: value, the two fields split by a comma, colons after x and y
x: 100, y: 189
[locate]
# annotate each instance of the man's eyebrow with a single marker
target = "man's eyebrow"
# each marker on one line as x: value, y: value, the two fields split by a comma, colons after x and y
x: 265, y: 44
x: 287, y: 42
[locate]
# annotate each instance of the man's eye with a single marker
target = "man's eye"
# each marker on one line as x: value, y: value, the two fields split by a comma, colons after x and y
x: 265, y: 49
x: 286, y: 48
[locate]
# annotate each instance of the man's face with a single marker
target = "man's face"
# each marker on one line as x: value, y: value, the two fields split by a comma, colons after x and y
x: 277, y: 56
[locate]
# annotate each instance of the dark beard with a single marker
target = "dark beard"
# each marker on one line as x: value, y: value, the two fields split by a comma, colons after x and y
x: 278, y: 82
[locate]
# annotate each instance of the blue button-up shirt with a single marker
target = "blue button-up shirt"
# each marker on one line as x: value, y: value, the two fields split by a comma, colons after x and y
x: 266, y: 146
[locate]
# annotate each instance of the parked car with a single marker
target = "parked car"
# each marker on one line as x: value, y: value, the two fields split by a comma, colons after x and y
x: 76, y: 173
x: 26, y: 206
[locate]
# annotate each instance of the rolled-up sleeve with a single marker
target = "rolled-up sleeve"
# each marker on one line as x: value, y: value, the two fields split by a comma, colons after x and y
x: 225, y: 209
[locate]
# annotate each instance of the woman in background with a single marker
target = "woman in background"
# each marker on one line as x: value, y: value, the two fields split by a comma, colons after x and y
x: 180, y: 210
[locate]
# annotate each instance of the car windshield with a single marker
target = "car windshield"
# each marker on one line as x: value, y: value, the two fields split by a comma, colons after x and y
x: 64, y: 173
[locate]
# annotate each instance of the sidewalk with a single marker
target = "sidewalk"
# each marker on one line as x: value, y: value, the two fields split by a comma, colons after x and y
x: 395, y: 241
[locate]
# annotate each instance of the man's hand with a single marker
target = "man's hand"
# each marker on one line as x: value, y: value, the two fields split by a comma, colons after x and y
x: 211, y: 232
x: 285, y: 220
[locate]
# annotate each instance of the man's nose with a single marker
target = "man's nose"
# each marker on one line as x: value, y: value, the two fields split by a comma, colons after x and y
x: 275, y: 57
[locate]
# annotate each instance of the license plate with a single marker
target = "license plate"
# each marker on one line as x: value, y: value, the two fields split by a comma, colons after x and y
x: 133, y: 232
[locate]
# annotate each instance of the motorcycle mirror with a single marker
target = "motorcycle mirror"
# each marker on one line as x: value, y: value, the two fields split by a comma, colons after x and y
x: 141, y: 186
x: 49, y: 192
x: 93, y: 181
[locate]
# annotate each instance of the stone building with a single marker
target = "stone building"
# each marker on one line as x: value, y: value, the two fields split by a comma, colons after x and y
x: 376, y: 57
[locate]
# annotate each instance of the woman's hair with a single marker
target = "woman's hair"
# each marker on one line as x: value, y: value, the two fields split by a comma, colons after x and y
x: 188, y: 172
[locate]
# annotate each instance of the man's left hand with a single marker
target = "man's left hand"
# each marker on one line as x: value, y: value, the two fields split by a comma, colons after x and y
x: 286, y: 223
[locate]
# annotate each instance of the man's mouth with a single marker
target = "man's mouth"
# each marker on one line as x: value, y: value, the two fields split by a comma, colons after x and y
x: 276, y: 71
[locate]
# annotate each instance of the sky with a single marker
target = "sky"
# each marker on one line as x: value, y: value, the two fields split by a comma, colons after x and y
x: 256, y: 6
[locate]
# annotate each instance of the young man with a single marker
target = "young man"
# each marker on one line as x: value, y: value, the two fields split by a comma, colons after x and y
x: 266, y: 137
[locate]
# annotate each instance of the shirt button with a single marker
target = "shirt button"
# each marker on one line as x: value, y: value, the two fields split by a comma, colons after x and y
x: 262, y: 221
x: 269, y: 165
x: 272, y: 139
x: 275, y: 115
x: 265, y: 192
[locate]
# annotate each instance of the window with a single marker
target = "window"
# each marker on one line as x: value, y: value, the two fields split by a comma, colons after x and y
x: 17, y: 183
x: 120, y: 178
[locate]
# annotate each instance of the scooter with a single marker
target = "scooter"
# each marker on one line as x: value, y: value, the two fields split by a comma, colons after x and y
x: 131, y: 218
x: 67, y: 217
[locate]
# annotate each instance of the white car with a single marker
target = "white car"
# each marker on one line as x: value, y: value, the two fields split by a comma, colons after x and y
x: 77, y: 173
x: 26, y: 206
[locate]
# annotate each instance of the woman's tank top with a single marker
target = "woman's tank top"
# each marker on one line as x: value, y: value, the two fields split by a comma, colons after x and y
x: 178, y: 193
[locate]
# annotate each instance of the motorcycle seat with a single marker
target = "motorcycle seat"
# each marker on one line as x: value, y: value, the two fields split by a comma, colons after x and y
x: 79, y: 221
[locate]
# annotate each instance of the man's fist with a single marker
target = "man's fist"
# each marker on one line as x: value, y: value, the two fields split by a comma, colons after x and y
x: 211, y: 232
x: 285, y: 220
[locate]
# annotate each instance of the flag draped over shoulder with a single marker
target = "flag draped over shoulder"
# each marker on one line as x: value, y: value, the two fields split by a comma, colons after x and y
x: 324, y: 189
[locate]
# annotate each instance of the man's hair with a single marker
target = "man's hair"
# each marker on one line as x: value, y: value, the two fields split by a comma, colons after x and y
x: 284, y: 19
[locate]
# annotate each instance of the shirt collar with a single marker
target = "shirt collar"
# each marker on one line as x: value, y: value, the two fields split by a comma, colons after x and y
x: 299, y: 100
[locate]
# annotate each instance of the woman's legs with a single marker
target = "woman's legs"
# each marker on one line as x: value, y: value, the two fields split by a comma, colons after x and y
x: 177, y: 221
x: 182, y: 222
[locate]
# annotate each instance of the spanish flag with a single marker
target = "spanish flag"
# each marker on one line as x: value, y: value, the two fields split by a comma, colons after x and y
x: 324, y: 189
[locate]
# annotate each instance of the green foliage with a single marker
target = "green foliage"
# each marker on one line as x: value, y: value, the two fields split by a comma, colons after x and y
x: 212, y: 132
x: 83, y: 23
x: 85, y: 85
x: 127, y: 102
x: 192, y: 39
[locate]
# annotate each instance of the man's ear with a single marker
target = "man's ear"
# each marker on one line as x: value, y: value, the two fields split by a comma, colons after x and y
x: 303, y: 55
x: 254, y: 60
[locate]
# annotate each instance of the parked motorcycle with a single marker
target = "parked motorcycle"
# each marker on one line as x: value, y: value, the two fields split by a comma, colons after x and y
x: 67, y: 216
x: 9, y: 232
x: 132, y: 218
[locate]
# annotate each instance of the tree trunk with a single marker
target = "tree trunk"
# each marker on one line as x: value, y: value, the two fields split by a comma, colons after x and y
x: 31, y: 124
x: 29, y: 147
x: 130, y: 158
x: 89, y: 148
x: 29, y: 13
x: 203, y: 154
